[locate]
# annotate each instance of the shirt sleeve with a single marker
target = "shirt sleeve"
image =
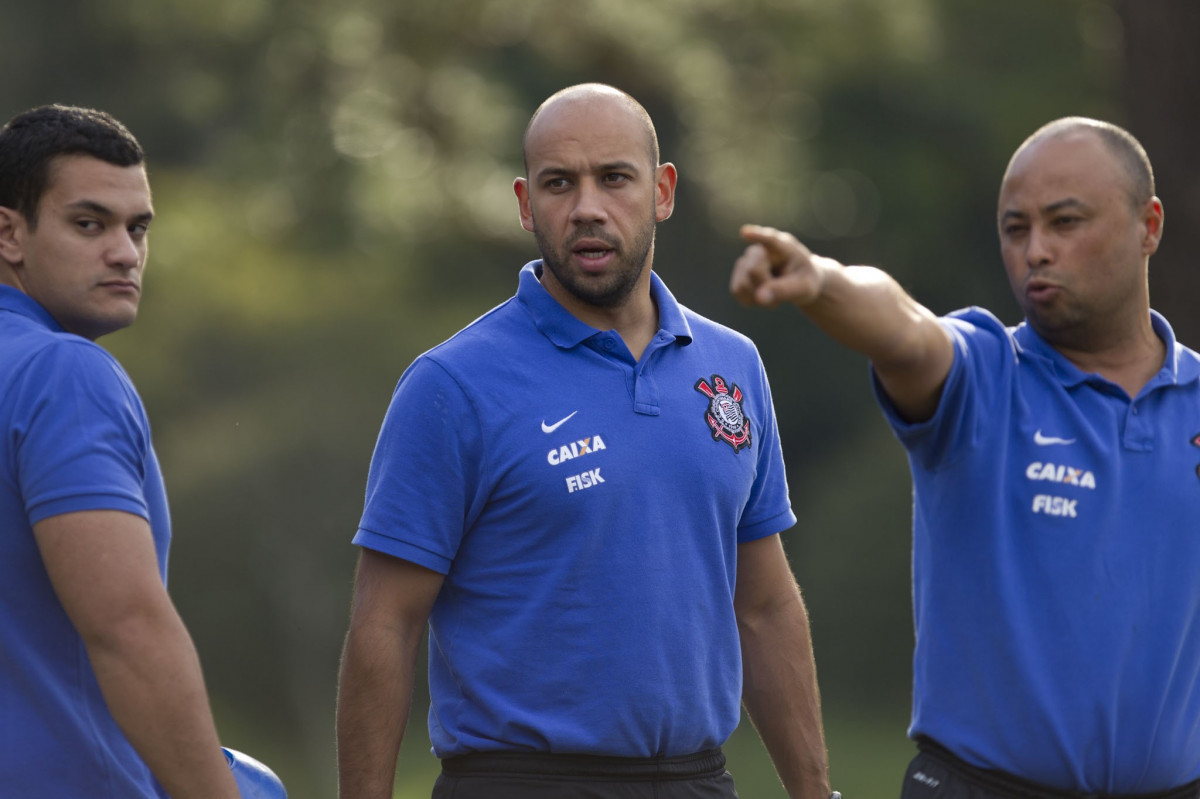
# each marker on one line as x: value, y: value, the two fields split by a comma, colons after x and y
x: 984, y: 360
x: 427, y: 478
x: 769, y: 508
x: 80, y: 434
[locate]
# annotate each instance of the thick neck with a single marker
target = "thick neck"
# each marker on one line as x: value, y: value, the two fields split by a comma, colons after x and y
x: 635, y: 320
x: 1129, y: 359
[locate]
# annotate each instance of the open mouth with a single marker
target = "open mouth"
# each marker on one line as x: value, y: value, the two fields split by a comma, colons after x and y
x: 593, y: 255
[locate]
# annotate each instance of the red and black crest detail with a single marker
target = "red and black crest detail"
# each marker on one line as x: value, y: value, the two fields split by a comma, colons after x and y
x: 1196, y: 442
x: 724, y: 415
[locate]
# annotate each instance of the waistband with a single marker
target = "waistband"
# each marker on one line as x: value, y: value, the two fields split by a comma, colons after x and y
x: 1012, y: 785
x: 708, y: 763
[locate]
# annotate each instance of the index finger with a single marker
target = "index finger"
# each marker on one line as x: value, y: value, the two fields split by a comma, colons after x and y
x: 777, y: 242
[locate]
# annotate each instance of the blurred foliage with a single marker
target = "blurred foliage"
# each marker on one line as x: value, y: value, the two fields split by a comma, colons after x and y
x: 333, y: 187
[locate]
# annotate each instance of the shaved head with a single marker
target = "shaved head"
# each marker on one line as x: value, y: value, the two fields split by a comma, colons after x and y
x: 1119, y: 142
x: 597, y: 93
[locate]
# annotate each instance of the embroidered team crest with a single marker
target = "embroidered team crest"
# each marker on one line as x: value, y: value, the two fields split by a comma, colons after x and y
x: 1196, y: 442
x: 725, y: 416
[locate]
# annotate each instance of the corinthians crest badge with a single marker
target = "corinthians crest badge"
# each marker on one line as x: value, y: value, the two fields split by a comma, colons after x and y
x: 1196, y: 442
x: 725, y: 416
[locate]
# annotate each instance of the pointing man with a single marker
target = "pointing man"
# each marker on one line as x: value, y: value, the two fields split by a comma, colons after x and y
x: 1056, y: 488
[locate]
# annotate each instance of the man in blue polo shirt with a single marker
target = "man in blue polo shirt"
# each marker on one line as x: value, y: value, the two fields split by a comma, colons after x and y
x: 1057, y: 496
x: 101, y: 693
x: 581, y: 493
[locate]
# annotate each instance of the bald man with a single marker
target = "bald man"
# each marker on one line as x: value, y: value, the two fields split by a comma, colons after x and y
x: 1057, y: 499
x: 581, y: 495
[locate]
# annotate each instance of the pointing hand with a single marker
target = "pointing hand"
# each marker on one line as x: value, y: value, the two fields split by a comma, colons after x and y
x: 775, y: 268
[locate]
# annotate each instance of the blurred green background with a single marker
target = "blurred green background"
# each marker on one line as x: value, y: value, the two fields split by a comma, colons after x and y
x: 333, y: 186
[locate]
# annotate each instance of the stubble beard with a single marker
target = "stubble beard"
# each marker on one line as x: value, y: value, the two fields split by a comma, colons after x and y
x: 623, y: 274
x: 1054, y: 323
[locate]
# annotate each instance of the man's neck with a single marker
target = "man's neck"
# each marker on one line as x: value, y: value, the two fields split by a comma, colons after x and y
x: 1129, y: 360
x: 635, y: 319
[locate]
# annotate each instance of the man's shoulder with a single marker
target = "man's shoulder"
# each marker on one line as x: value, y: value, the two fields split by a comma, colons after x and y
x: 485, y: 344
x: 979, y: 331
x: 973, y: 317
x: 46, y: 373
x: 26, y: 347
x: 485, y: 335
x: 708, y: 331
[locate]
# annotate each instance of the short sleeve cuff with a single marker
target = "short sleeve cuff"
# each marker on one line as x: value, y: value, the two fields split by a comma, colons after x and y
x: 85, y: 502
x: 403, y: 550
x: 771, y: 526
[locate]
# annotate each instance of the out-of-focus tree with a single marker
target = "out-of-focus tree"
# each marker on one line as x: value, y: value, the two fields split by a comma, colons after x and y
x: 1162, y: 82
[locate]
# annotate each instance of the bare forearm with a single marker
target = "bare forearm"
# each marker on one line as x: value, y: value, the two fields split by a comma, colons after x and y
x: 150, y: 676
x: 861, y: 307
x: 782, y: 698
x: 392, y: 601
x: 374, y: 699
x: 865, y: 309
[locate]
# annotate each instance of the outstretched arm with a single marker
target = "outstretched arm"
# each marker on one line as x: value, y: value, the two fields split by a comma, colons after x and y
x: 392, y: 600
x: 861, y: 307
x: 104, y: 570
x: 779, y: 674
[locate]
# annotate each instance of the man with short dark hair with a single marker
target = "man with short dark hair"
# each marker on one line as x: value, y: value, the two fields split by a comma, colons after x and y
x: 581, y: 493
x: 1056, y: 490
x: 101, y: 693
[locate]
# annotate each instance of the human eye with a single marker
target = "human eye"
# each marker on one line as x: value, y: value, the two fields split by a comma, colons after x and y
x: 616, y: 178
x: 1066, y: 220
x: 556, y: 184
x: 139, y: 230
x: 88, y: 225
x: 1014, y: 229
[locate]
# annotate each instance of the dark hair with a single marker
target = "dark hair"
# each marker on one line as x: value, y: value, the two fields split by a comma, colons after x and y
x: 33, y: 139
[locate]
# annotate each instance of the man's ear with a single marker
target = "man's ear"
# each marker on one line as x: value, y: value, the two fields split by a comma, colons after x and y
x: 1152, y: 218
x: 521, y: 189
x: 13, y: 228
x: 665, y: 178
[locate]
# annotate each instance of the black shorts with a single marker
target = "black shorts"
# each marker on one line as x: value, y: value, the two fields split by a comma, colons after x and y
x: 511, y: 775
x: 935, y: 773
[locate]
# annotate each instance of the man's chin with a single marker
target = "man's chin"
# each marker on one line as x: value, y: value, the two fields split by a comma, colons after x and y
x: 93, y: 327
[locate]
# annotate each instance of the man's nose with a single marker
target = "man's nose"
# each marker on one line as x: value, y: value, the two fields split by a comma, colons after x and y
x: 124, y: 251
x: 589, y: 205
x: 1039, y: 250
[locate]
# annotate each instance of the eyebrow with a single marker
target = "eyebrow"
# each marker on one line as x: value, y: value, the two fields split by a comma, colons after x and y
x: 1069, y: 202
x: 614, y: 166
x: 104, y: 210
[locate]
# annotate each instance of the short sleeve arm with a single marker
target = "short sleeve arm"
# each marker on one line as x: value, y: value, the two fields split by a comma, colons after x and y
x: 80, y: 435
x: 984, y: 360
x: 427, y: 478
x: 769, y: 509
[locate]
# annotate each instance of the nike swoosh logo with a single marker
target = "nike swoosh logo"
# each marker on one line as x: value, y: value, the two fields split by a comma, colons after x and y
x: 1042, y: 440
x: 550, y: 428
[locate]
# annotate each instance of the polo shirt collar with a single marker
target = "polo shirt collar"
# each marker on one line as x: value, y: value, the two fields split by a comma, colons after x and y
x: 17, y: 301
x: 1178, y: 367
x: 561, y: 327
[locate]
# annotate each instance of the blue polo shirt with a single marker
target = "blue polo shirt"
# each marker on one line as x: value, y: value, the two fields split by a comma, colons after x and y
x: 1056, y: 549
x: 75, y: 438
x: 585, y: 510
